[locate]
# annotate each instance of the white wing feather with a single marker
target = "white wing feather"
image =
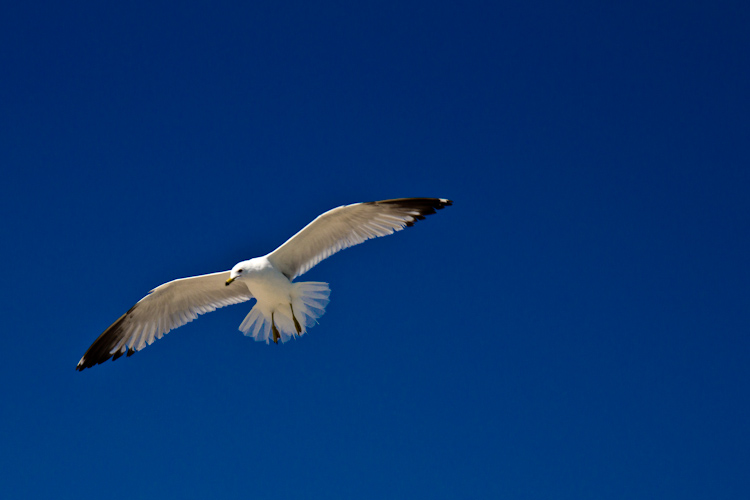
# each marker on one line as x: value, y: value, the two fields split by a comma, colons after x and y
x: 165, y: 308
x: 346, y: 226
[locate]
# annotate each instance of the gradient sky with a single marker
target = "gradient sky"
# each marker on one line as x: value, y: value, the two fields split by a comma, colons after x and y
x: 574, y: 327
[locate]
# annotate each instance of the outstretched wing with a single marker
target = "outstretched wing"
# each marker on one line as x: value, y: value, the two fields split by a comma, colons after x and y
x: 166, y: 307
x: 346, y: 226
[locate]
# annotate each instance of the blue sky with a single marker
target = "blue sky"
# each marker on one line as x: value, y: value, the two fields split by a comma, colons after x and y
x: 575, y: 326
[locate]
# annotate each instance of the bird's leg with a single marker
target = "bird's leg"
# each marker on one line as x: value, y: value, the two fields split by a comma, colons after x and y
x: 276, y: 335
x: 296, y: 323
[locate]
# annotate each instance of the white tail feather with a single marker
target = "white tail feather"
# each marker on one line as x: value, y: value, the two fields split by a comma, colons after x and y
x: 309, y: 299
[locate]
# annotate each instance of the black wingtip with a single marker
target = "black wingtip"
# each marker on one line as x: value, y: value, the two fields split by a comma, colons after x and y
x: 424, y: 206
x: 100, y: 350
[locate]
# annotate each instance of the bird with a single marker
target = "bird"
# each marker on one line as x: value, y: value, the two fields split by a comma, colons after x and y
x: 284, y: 309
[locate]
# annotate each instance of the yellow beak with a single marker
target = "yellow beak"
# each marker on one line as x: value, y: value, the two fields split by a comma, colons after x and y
x: 229, y: 281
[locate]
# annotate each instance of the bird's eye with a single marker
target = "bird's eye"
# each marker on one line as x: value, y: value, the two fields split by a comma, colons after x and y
x: 239, y: 271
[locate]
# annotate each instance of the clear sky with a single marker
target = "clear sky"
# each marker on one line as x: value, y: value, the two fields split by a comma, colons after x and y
x: 574, y: 327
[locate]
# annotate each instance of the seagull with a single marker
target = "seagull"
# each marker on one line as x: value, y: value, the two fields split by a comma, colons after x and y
x: 283, y: 308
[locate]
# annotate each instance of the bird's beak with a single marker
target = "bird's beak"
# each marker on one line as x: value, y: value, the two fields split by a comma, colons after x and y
x: 229, y: 281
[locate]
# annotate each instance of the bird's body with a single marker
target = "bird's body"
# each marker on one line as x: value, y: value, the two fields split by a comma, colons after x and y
x: 265, y: 282
x: 283, y: 308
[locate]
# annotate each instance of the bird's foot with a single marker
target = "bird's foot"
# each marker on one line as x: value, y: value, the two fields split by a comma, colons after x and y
x: 296, y: 323
x: 276, y: 335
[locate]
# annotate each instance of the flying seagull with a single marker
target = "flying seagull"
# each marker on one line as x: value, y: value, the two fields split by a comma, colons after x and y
x: 283, y: 308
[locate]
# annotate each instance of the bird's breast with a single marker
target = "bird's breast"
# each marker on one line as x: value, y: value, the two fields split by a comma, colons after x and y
x: 268, y: 285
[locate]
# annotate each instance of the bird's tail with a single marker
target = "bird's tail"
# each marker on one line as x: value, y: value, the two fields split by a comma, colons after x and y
x: 309, y: 300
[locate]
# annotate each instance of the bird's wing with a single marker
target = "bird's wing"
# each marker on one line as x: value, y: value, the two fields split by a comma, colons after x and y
x: 346, y: 226
x: 166, y: 307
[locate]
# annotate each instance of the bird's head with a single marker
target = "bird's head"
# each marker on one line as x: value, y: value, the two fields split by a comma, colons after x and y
x: 238, y: 272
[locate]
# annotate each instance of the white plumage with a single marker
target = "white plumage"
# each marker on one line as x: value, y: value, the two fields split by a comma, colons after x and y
x: 283, y: 308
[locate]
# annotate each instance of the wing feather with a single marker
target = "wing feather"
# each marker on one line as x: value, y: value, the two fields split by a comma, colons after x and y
x: 165, y: 308
x: 346, y: 226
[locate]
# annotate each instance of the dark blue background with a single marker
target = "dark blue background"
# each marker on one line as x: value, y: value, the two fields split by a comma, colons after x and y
x: 575, y: 326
